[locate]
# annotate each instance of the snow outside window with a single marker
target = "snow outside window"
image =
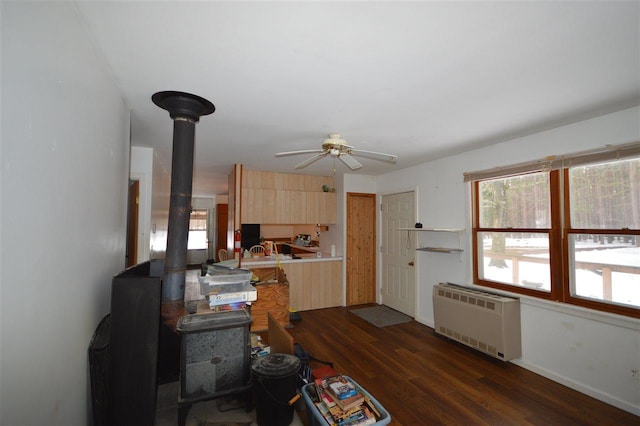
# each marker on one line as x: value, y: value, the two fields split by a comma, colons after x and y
x: 569, y: 234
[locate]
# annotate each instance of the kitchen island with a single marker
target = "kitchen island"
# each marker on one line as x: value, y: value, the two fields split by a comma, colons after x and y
x: 314, y: 282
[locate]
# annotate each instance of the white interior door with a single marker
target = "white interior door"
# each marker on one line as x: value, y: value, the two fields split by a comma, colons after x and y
x: 398, y: 252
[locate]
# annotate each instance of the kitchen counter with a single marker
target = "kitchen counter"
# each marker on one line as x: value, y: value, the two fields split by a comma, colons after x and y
x: 286, y: 258
x: 314, y: 282
x: 307, y: 248
x: 296, y: 249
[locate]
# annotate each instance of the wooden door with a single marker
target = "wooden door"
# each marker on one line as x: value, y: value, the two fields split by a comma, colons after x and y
x: 361, y: 248
x: 222, y: 220
x: 132, y: 223
x: 234, y: 209
x: 398, y: 253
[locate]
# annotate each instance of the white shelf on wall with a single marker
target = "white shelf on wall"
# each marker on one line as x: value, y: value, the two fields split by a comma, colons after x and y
x: 440, y: 249
x: 459, y: 231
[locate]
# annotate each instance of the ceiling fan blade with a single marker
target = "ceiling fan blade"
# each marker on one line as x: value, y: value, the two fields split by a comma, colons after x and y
x: 304, y: 151
x: 350, y: 161
x: 313, y: 159
x: 334, y: 147
x: 380, y: 156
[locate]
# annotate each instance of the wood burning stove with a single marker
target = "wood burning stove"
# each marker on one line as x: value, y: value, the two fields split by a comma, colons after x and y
x: 215, y: 358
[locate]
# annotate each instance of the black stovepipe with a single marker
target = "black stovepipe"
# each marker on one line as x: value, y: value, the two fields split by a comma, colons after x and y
x: 185, y: 109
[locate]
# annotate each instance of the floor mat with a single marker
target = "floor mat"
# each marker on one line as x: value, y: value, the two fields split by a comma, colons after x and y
x: 381, y: 316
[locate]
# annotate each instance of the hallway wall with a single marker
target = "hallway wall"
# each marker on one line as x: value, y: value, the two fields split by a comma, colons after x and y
x: 65, y: 158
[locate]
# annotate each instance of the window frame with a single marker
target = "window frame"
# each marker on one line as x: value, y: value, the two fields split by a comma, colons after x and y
x: 193, y: 216
x: 553, y: 247
x: 558, y: 245
x: 567, y: 230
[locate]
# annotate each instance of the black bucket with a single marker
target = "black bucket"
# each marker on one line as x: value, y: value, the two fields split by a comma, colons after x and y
x: 275, y: 378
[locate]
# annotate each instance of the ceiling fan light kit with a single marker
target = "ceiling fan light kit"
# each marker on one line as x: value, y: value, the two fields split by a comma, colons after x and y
x: 336, y: 147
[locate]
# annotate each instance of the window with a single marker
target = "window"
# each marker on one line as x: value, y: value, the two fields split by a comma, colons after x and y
x: 514, y: 232
x: 603, y: 241
x: 562, y: 230
x: 197, y: 230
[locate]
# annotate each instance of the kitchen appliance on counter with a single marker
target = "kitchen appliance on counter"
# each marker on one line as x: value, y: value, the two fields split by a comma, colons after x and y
x: 303, y: 240
x: 268, y: 248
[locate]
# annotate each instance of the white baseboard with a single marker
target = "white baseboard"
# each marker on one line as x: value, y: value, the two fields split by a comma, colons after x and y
x: 594, y: 393
x: 424, y: 321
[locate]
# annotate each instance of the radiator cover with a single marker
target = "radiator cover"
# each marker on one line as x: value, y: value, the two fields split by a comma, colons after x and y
x: 484, y: 321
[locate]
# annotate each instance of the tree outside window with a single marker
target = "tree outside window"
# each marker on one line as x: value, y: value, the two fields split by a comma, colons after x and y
x: 570, y: 234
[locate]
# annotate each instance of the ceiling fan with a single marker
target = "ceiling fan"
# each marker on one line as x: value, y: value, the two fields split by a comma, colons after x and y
x: 336, y: 147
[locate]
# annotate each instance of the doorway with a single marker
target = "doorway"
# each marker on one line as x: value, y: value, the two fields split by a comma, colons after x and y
x: 361, y: 248
x: 398, y: 253
x: 222, y: 222
x: 131, y: 256
x: 198, y: 240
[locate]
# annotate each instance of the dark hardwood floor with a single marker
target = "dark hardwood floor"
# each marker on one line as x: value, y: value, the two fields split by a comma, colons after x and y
x: 423, y: 379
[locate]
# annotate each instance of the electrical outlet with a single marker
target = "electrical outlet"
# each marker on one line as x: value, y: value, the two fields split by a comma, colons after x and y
x: 634, y: 373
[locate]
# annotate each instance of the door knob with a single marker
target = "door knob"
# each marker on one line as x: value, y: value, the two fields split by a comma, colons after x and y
x: 411, y: 263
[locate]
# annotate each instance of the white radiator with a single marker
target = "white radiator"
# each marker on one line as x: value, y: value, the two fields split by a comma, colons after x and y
x: 487, y: 322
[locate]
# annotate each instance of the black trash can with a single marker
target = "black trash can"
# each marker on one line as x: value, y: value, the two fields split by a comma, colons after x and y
x: 275, y: 380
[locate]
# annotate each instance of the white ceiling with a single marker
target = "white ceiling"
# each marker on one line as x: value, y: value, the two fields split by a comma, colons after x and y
x: 419, y: 79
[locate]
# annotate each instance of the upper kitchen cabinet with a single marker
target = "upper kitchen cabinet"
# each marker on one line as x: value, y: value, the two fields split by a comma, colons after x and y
x: 286, y: 198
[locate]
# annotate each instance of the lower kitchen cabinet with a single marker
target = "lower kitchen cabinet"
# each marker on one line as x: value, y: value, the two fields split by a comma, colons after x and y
x: 273, y: 297
x: 314, y: 285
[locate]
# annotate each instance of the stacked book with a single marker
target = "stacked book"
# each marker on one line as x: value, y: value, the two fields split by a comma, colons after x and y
x: 341, y: 402
x: 225, y: 294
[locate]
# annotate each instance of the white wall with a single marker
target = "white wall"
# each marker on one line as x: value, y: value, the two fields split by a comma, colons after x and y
x: 142, y: 171
x: 65, y: 158
x: 160, y: 200
x: 589, y: 351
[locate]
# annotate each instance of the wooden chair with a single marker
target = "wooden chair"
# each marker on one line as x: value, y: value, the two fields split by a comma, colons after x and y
x: 256, y: 249
x: 223, y: 255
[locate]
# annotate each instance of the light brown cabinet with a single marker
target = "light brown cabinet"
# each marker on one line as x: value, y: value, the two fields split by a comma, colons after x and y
x: 314, y: 285
x: 286, y: 198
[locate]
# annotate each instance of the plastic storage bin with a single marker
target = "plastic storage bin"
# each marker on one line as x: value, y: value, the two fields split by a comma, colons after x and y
x: 316, y: 419
x: 219, y: 275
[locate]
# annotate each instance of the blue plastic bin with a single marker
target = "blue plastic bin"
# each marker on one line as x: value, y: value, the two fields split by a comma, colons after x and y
x: 316, y: 419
